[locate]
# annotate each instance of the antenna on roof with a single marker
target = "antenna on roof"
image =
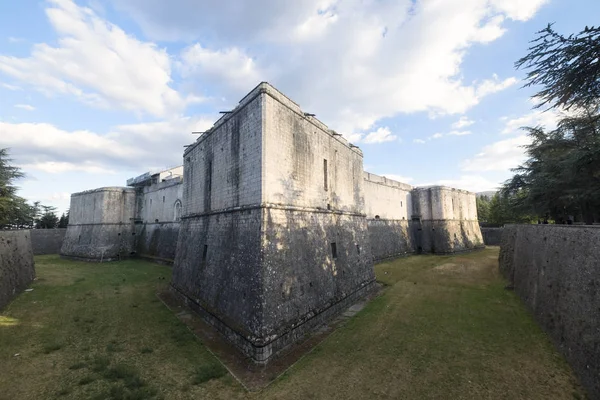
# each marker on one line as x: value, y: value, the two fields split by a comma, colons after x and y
x: 225, y: 112
x: 198, y: 133
x: 309, y: 115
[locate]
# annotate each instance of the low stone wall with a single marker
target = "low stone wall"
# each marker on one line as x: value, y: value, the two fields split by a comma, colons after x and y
x: 158, y: 241
x: 448, y: 236
x: 555, y: 270
x: 47, y: 241
x: 16, y: 264
x: 99, y: 242
x: 491, y: 236
x: 389, y: 238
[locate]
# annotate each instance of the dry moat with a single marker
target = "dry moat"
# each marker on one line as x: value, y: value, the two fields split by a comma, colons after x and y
x: 444, y: 327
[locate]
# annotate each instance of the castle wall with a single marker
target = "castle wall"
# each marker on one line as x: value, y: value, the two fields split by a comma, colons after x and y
x: 159, y: 210
x: 101, y: 224
x: 282, y: 245
x: 388, y: 206
x: 306, y: 165
x: 17, y: 269
x: 315, y: 246
x: 445, y: 220
x: 217, y: 265
x: 160, y: 201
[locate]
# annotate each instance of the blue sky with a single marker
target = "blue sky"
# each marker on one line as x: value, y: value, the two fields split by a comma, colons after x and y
x: 94, y: 92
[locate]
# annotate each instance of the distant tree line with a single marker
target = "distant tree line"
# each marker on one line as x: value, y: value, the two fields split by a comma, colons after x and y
x: 560, y: 180
x: 15, y: 211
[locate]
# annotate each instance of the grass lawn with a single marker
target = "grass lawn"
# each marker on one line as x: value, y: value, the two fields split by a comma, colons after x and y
x: 443, y: 328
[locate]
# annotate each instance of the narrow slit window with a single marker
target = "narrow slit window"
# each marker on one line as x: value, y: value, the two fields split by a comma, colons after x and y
x: 358, y: 249
x: 334, y: 250
x: 325, y: 174
x: 204, y: 253
x: 209, y: 180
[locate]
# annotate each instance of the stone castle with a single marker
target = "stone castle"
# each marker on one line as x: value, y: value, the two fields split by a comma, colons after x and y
x: 271, y: 223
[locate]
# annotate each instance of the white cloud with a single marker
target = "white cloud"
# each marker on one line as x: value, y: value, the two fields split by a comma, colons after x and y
x: 44, y: 147
x: 518, y: 10
x: 463, y: 122
x: 13, y: 39
x: 352, y: 62
x: 381, y: 135
x: 546, y: 119
x: 499, y: 156
x: 25, y: 107
x: 437, y: 135
x: 419, y: 141
x: 10, y: 87
x: 490, y: 86
x: 98, y: 63
x: 228, y: 67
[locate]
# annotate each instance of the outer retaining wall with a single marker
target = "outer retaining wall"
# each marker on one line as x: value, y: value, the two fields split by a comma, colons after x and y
x: 492, y: 236
x: 47, y: 241
x: 555, y: 269
x: 16, y: 264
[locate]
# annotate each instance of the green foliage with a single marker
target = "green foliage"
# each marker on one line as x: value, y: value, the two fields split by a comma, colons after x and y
x: 561, y: 178
x: 566, y: 67
x: 48, y: 220
x: 12, y: 207
x: 483, y: 208
x: 504, y: 209
x: 63, y: 222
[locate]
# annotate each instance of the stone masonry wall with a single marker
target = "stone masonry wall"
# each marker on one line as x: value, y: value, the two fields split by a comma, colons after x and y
x: 101, y: 225
x: 158, y: 201
x: 16, y: 264
x: 157, y: 241
x: 388, y: 206
x: 445, y: 220
x: 303, y: 274
x: 491, y: 236
x: 305, y: 164
x: 217, y: 263
x: 554, y: 269
x: 159, y: 208
x: 47, y: 241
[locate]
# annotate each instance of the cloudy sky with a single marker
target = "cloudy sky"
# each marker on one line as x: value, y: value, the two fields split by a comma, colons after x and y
x: 93, y: 92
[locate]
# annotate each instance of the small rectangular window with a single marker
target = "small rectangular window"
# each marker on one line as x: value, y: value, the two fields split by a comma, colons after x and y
x: 325, y: 173
x: 334, y: 250
x: 358, y: 249
x: 400, y: 203
x: 204, y: 253
x: 163, y: 199
x: 209, y: 180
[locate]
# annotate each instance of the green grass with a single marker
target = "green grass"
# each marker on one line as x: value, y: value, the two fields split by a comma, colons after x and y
x: 444, y: 327
x: 98, y: 330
